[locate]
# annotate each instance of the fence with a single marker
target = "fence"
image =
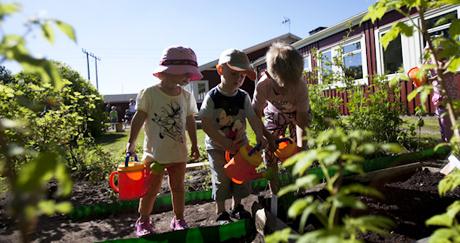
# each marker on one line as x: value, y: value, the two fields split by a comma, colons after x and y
x: 405, y: 89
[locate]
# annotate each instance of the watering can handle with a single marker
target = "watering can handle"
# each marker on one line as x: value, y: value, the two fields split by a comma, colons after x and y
x: 128, y: 154
x: 111, y: 181
x: 280, y: 140
x: 255, y: 149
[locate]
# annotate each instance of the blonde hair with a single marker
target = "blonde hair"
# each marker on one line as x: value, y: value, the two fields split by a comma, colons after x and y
x: 284, y: 63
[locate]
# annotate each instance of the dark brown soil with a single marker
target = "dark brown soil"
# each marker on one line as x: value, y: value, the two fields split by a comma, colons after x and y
x: 63, y: 229
x: 409, y: 200
x: 409, y: 203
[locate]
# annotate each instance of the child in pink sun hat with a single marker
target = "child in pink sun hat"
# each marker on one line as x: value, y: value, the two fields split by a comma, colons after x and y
x: 166, y: 111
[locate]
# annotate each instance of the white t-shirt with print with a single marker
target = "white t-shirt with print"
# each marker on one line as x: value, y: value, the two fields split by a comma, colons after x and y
x: 165, y: 126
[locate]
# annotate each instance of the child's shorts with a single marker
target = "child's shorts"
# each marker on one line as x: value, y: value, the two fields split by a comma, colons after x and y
x: 222, y: 187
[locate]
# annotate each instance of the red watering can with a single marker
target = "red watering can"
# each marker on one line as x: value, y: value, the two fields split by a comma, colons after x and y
x: 414, y: 74
x: 286, y: 148
x: 242, y: 167
x: 132, y: 179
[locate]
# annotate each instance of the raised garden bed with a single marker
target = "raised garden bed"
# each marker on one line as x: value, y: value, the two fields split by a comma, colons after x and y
x: 411, y: 197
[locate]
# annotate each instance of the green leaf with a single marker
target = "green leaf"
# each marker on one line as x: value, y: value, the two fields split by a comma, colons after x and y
x: 286, y: 189
x: 8, y: 9
x: 46, y: 206
x: 392, y: 147
x: 64, y: 207
x: 342, y: 201
x: 279, y: 236
x: 393, y: 33
x: 375, y: 12
x: 441, y: 220
x: 303, y: 161
x: 370, y: 223
x: 298, y: 206
x: 449, y: 182
x: 66, y: 29
x: 454, y: 65
x: 360, y: 189
x: 48, y: 32
x: 454, y: 29
x: 414, y: 93
x: 307, y: 181
x: 446, y: 219
x: 443, y: 236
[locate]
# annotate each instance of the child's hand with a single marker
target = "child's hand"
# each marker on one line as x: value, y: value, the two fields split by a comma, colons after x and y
x: 262, y: 141
x: 194, y: 152
x: 131, y: 148
x: 232, y: 145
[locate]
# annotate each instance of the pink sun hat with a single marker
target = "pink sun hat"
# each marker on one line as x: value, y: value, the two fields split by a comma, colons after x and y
x: 179, y: 60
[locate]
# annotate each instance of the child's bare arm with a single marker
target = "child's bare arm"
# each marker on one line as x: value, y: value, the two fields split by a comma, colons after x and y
x: 214, y: 134
x: 302, y: 121
x: 136, y: 125
x: 191, y: 129
x: 258, y: 127
x: 269, y: 137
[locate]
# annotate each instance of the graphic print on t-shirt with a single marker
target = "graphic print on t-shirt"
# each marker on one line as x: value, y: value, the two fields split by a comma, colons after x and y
x: 228, y: 110
x: 169, y: 121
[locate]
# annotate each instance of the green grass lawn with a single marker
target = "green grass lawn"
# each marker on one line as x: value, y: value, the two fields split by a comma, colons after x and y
x: 115, y: 142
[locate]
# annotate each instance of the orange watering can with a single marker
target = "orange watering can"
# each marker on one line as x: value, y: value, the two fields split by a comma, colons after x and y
x: 242, y: 167
x: 132, y: 179
x: 414, y: 76
x: 286, y: 148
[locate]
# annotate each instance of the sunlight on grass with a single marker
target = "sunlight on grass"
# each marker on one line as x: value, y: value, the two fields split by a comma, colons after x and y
x: 115, y: 142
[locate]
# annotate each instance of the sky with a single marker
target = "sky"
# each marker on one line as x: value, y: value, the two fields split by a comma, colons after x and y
x: 129, y: 35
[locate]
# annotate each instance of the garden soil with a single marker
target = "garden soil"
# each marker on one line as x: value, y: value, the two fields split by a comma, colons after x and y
x: 116, y: 226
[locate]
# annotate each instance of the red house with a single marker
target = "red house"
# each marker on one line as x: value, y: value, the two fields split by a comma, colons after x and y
x: 364, y: 54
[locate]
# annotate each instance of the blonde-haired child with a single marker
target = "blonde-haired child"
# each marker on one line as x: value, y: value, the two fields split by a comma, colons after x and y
x: 281, y: 95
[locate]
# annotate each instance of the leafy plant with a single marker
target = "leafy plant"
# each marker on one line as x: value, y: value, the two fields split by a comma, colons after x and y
x: 445, y: 53
x: 370, y: 109
x: 337, y: 153
x: 44, y: 160
x: 325, y: 110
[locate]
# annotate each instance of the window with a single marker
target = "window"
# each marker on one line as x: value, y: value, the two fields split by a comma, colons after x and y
x: 198, y: 89
x: 326, y: 62
x: 354, y: 60
x: 439, y: 25
x: 392, y: 57
x: 307, y: 63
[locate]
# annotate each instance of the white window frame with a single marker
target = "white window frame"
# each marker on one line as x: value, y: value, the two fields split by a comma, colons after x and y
x: 192, y: 87
x: 412, y: 46
x: 334, y: 51
x: 307, y: 59
x: 441, y: 12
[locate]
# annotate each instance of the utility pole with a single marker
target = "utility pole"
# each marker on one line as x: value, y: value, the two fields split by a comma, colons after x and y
x: 87, y: 61
x: 288, y: 22
x: 96, y: 58
x: 95, y: 64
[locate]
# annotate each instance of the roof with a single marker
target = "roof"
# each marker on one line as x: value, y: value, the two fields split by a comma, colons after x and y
x: 323, y: 33
x: 352, y: 21
x: 287, y: 36
x: 119, y: 98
